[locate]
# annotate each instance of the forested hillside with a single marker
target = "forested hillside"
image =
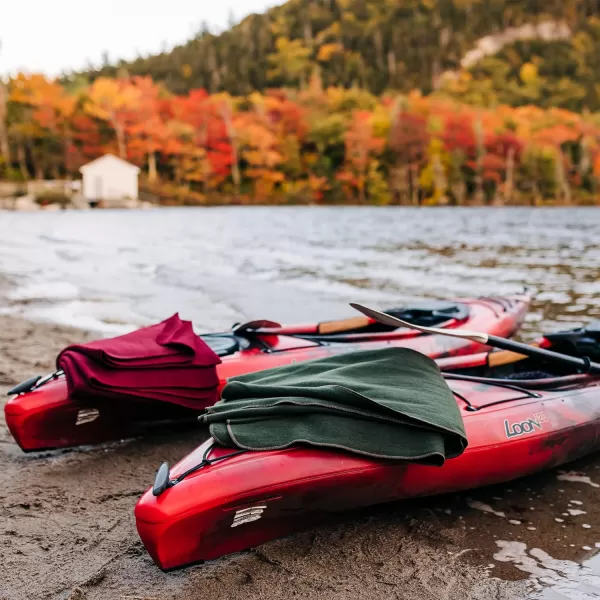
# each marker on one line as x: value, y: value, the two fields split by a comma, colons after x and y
x: 488, y: 52
x: 350, y: 101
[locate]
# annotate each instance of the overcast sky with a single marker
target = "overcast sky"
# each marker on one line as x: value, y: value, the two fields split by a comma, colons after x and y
x: 54, y: 35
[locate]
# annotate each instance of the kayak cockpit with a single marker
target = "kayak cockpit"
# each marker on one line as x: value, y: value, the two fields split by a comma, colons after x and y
x: 258, y: 334
x: 498, y: 377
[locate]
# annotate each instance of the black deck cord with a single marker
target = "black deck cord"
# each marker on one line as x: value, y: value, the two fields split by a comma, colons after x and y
x: 470, y: 407
x: 206, y: 462
x: 162, y: 481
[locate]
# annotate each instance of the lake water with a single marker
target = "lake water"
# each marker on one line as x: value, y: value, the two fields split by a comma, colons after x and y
x: 110, y: 270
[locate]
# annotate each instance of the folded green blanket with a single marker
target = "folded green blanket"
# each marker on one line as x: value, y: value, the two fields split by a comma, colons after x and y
x: 391, y: 404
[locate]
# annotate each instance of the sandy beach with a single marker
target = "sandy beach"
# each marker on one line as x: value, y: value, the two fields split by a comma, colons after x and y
x: 67, y: 530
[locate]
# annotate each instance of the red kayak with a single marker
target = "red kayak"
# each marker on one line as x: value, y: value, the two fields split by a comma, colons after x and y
x: 41, y: 415
x: 521, y: 416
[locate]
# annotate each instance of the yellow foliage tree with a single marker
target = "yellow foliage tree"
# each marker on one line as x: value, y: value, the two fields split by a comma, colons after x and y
x: 290, y: 62
x: 528, y: 73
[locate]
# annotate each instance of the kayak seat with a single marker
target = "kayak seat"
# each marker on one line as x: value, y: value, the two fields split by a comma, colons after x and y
x: 583, y: 341
x: 430, y: 313
x: 223, y: 344
x: 526, y: 375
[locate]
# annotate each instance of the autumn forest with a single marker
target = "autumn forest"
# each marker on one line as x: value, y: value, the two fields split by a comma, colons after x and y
x: 310, y: 104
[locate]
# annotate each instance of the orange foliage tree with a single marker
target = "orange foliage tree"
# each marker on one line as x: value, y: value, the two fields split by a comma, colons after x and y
x: 362, y: 147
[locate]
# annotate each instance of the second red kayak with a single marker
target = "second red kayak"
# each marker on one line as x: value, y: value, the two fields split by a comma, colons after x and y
x: 41, y: 415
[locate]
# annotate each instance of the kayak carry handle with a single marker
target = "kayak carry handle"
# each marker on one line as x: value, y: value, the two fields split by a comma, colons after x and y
x: 162, y: 480
x: 24, y: 386
x: 33, y: 383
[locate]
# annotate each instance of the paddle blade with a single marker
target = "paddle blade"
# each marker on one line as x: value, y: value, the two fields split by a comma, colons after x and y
x: 386, y: 319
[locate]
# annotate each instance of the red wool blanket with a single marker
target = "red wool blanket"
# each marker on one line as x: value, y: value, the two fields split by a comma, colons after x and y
x: 167, y: 362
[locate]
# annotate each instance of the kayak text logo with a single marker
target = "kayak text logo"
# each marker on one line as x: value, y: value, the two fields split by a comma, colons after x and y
x: 523, y: 427
x: 247, y: 515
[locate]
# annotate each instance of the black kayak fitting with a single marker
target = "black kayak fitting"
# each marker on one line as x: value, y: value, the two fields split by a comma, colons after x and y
x: 163, y: 480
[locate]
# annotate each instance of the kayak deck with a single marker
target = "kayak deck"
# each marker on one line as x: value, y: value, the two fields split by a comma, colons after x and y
x: 248, y: 499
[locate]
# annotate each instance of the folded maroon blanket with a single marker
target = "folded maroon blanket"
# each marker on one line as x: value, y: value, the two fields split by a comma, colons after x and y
x: 169, y: 343
x: 166, y: 362
x: 83, y: 367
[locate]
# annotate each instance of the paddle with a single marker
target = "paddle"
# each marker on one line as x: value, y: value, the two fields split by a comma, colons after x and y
x: 483, y: 338
x: 264, y: 327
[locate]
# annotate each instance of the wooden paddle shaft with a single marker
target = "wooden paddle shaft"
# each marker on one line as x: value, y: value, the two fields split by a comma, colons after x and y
x: 330, y: 327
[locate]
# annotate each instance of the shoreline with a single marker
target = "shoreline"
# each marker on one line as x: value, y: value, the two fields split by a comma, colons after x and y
x: 152, y: 206
x: 17, y: 308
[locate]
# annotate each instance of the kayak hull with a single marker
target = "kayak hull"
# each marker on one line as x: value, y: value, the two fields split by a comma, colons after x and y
x: 46, y: 418
x: 249, y: 499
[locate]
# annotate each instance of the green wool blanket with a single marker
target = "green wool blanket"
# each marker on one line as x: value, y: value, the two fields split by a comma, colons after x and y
x: 390, y: 404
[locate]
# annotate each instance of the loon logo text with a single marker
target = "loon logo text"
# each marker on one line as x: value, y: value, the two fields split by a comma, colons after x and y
x: 522, y: 427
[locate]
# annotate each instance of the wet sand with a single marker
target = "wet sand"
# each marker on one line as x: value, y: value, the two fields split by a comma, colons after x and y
x: 67, y: 530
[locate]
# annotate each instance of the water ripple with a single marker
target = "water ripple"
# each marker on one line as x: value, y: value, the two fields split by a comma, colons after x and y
x: 218, y: 265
